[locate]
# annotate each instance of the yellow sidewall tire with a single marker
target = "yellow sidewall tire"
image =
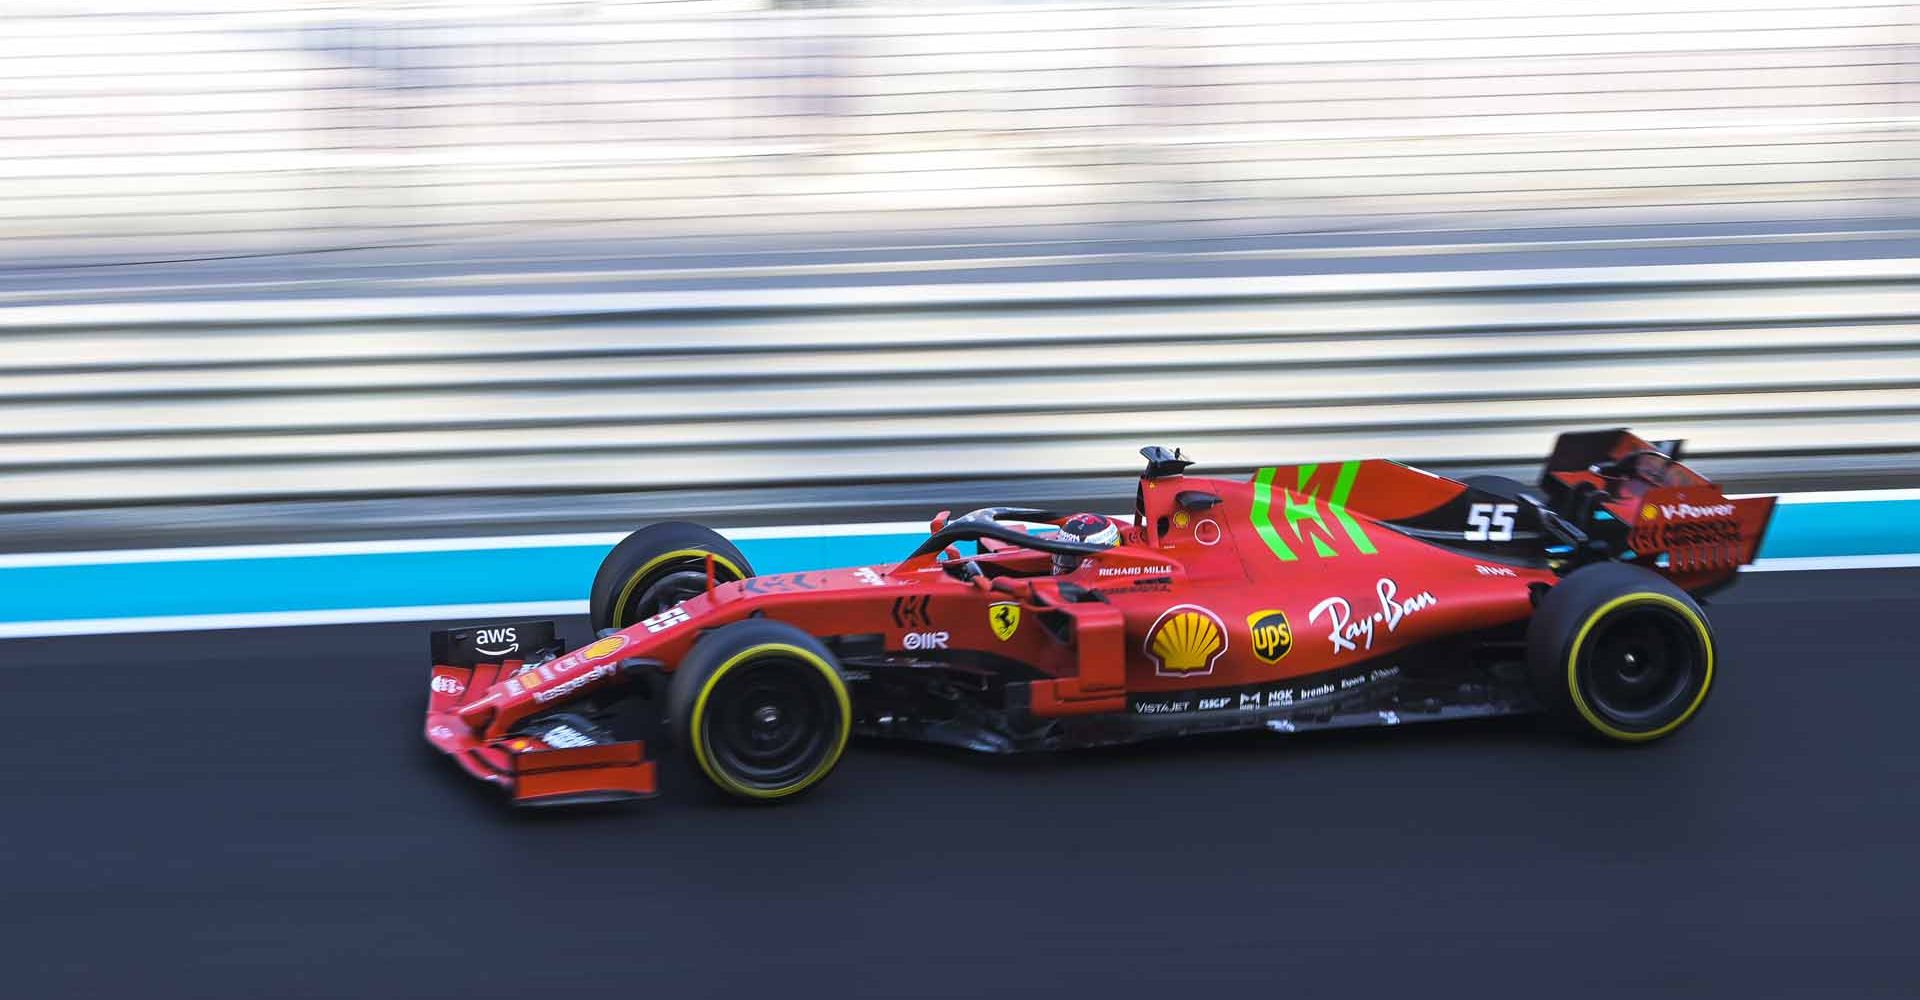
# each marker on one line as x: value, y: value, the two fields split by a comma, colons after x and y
x: 718, y: 776
x: 720, y: 654
x: 646, y: 556
x: 1566, y: 622
x: 724, y: 570
x: 1593, y: 718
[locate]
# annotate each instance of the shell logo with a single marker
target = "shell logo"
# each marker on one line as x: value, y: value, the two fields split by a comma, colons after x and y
x: 1186, y: 641
x: 606, y: 647
x: 1647, y: 513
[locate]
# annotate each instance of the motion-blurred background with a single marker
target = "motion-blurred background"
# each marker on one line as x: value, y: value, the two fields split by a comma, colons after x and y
x: 296, y: 269
x: 462, y: 291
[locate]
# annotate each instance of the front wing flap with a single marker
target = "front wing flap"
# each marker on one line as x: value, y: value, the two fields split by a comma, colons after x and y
x: 552, y: 762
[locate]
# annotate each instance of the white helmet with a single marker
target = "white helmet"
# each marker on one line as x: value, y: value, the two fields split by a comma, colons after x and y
x: 1091, y: 529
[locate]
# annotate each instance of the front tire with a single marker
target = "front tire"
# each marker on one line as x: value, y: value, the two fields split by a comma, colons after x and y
x: 1618, y: 651
x: 657, y: 567
x: 759, y: 710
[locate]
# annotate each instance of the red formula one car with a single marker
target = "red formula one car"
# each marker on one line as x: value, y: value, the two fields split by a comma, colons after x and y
x: 1311, y: 596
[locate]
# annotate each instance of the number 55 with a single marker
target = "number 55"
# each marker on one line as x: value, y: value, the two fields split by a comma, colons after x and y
x: 1490, y: 522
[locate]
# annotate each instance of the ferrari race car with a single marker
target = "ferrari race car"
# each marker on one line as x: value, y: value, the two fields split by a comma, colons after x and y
x: 1312, y: 596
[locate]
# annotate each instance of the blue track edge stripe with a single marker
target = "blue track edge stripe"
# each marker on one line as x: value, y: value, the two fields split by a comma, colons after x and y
x: 308, y: 585
x: 368, y: 580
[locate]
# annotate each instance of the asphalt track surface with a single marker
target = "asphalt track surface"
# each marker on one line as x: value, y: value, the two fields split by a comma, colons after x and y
x: 253, y: 814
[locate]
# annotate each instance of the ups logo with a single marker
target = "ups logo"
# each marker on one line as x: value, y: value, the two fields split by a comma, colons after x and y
x: 1272, y: 635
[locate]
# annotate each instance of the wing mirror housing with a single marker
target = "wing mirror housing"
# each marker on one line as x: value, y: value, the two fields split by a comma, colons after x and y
x: 1196, y: 500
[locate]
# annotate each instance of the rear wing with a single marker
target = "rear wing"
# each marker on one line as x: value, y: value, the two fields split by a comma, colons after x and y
x: 1648, y: 508
x: 1696, y: 529
x: 1578, y: 451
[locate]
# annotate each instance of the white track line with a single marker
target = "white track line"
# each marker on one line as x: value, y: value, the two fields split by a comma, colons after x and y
x: 287, y: 550
x: 280, y: 619
x: 438, y: 612
x: 1796, y: 564
x: 1847, y: 496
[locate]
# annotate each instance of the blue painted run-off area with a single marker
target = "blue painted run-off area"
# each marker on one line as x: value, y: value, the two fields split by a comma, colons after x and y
x: 563, y: 573
x: 372, y: 580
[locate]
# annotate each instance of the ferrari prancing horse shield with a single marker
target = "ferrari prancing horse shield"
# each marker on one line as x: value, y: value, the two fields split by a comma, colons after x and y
x: 1005, y: 619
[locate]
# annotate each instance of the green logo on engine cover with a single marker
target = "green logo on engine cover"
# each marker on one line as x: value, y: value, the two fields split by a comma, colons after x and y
x: 1303, y: 513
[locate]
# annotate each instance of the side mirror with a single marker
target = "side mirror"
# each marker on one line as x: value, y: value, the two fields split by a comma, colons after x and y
x: 939, y: 521
x: 1196, y: 500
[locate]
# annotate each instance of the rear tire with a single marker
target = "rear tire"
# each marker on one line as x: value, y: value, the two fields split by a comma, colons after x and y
x: 759, y: 710
x: 1618, y: 651
x: 656, y: 568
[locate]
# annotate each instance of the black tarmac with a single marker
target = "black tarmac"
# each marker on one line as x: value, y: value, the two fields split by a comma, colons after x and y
x: 254, y: 814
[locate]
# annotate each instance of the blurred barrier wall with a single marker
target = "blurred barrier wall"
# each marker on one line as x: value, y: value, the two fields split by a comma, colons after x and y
x: 1792, y: 362
x: 129, y: 132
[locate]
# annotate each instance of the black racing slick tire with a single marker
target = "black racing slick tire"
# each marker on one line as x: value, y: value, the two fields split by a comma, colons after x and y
x: 1621, y: 653
x: 759, y: 710
x: 657, y: 567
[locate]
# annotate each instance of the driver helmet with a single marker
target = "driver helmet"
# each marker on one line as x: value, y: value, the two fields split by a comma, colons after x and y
x: 1092, y: 529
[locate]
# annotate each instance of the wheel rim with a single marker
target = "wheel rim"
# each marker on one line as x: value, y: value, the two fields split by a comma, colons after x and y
x: 670, y: 589
x: 771, y: 723
x: 667, y: 587
x: 1642, y: 666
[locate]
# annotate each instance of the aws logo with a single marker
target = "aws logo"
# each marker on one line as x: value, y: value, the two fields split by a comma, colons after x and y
x: 496, y: 641
x: 1293, y: 518
x: 1272, y: 635
x: 1186, y: 641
